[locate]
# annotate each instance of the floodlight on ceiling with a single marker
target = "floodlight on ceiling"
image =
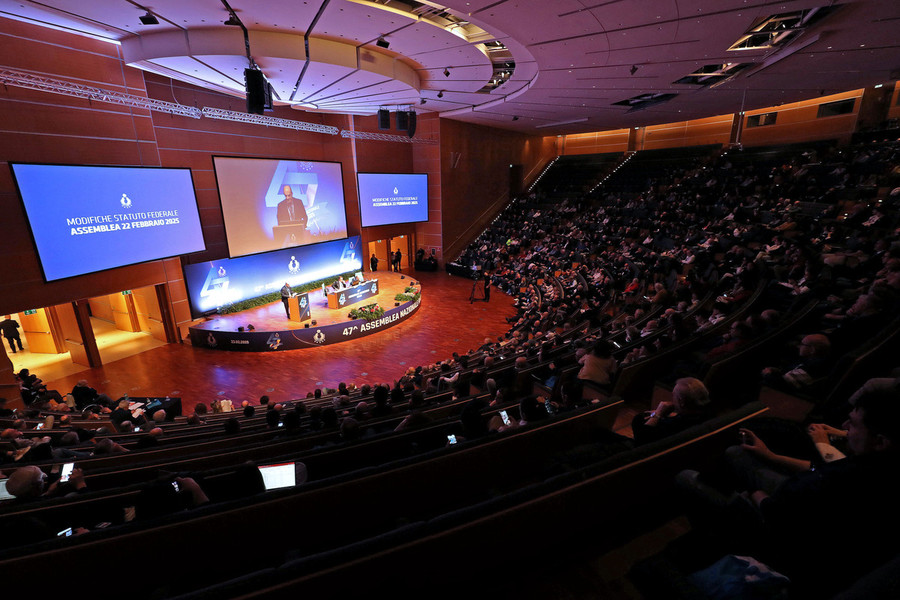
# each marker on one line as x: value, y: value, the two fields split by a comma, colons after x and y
x: 149, y: 19
x: 382, y: 43
x: 441, y: 94
x: 233, y: 21
x: 446, y: 72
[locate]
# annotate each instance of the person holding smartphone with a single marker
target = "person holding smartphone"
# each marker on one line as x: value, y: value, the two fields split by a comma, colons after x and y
x: 30, y: 483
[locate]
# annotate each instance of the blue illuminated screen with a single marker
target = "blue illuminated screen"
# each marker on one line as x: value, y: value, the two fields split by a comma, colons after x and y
x: 87, y: 218
x: 270, y: 204
x: 388, y: 198
x: 214, y: 284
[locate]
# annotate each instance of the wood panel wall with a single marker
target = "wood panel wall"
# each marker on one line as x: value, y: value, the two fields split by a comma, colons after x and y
x: 797, y: 122
x: 475, y: 166
x: 894, y: 110
x: 596, y: 142
x: 697, y: 132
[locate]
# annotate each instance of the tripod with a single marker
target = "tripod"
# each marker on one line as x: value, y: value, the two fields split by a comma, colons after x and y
x: 477, y: 291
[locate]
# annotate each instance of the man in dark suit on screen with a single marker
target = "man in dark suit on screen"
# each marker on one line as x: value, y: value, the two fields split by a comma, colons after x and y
x: 291, y: 210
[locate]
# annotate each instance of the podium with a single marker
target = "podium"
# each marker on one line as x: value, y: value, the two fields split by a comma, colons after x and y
x: 298, y: 305
x: 291, y: 235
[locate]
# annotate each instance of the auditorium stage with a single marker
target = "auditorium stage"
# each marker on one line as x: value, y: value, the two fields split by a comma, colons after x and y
x: 273, y: 331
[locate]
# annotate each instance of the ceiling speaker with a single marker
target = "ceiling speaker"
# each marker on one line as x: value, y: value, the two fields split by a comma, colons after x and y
x: 411, y: 129
x: 384, y: 118
x: 402, y: 120
x: 257, y: 90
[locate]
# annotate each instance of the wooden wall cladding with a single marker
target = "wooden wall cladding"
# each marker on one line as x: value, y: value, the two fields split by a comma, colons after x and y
x: 475, y: 164
x: 698, y: 132
x: 798, y: 122
x: 597, y: 142
x: 894, y: 110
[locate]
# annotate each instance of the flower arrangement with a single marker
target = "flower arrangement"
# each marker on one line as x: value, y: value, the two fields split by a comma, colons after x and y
x: 410, y: 294
x: 369, y: 312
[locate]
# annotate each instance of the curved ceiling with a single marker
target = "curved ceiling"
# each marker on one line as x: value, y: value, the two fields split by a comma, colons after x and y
x: 536, y: 66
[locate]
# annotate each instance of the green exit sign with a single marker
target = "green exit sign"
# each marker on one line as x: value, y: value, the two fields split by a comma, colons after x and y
x: 32, y: 311
x: 126, y: 293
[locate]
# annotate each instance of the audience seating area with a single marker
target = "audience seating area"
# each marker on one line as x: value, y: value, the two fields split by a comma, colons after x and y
x: 631, y: 273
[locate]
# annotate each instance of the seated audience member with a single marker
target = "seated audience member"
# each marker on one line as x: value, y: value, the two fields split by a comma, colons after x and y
x: 85, y: 395
x: 800, y: 376
x: 598, y: 366
x: 194, y: 419
x: 108, y: 446
x: 816, y: 521
x: 30, y: 483
x: 232, y: 426
x: 123, y: 414
x: 689, y: 407
x: 159, y: 417
x: 167, y: 496
x: 532, y: 409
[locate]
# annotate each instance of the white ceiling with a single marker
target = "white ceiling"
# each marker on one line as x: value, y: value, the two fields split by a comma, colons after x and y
x: 573, y: 58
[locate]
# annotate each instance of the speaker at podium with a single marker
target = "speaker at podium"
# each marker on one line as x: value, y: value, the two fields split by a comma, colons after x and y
x: 298, y: 305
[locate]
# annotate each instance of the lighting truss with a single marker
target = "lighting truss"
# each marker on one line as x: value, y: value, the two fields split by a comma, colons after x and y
x: 76, y: 90
x: 385, y: 137
x: 239, y: 117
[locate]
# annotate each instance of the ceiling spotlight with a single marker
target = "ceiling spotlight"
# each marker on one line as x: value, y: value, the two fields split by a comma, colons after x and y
x: 515, y: 118
x: 382, y: 43
x: 422, y: 101
x: 446, y: 72
x: 149, y: 19
x: 634, y: 69
x: 233, y: 21
x: 441, y: 94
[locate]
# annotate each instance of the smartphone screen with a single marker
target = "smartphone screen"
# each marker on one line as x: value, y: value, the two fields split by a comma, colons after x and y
x: 505, y: 416
x: 66, y: 472
x: 451, y: 438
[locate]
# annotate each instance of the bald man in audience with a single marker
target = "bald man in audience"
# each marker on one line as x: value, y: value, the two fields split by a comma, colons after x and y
x: 30, y: 483
x: 801, y: 375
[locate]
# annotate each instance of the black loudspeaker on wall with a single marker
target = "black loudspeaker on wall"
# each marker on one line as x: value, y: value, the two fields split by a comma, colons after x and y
x: 255, y: 83
x: 384, y: 118
x: 411, y: 125
x: 402, y: 120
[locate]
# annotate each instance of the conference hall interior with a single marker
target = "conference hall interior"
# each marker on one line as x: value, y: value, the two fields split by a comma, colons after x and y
x: 475, y: 298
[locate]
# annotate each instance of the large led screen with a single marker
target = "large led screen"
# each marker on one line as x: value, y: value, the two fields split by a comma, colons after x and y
x: 85, y: 219
x: 218, y: 283
x: 272, y: 204
x: 388, y: 198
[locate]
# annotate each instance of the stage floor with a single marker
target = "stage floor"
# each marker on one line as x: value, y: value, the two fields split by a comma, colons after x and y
x: 445, y: 323
x: 271, y: 317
